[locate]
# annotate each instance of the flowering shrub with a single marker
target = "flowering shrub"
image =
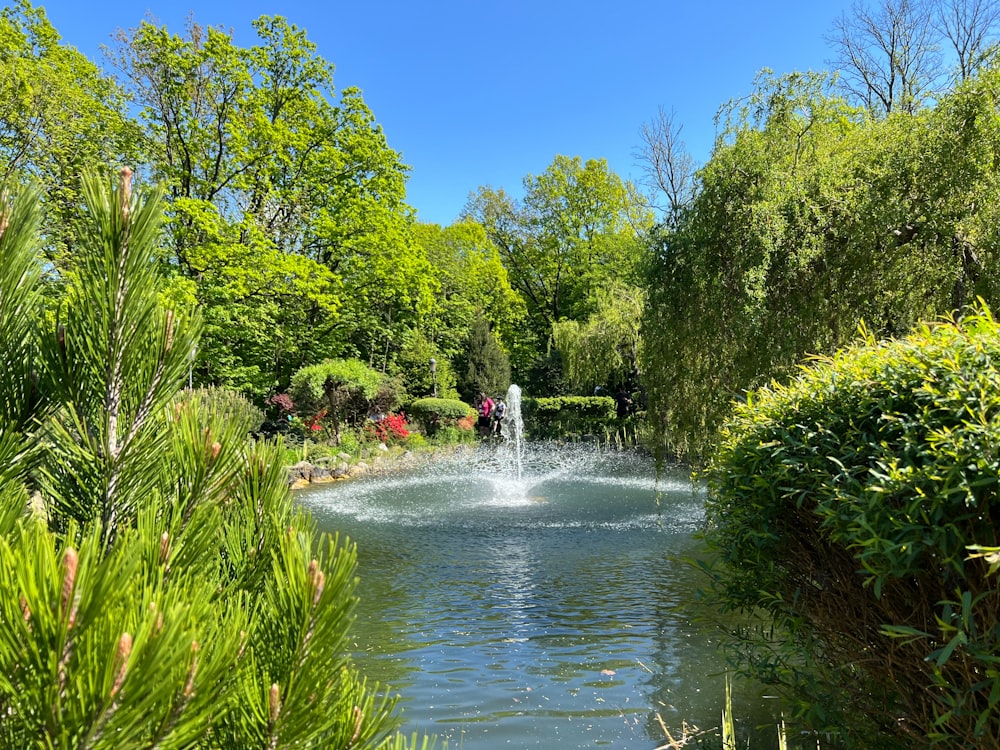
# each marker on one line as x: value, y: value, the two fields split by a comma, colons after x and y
x: 282, y: 402
x: 314, y: 423
x: 466, y: 423
x: 392, y: 427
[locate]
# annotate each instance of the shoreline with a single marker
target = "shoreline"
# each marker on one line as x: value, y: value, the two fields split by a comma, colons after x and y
x: 387, y: 461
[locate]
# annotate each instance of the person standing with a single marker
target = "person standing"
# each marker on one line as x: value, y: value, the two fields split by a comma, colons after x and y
x: 485, y: 407
x: 499, y: 412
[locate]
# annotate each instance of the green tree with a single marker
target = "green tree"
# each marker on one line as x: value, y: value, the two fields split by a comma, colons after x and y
x: 471, y: 280
x: 487, y: 369
x: 287, y: 205
x: 810, y: 218
x: 164, y: 591
x: 414, y: 366
x: 58, y: 113
x: 578, y: 227
x: 604, y: 349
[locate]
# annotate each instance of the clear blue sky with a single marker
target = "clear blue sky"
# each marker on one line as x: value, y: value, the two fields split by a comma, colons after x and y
x: 475, y: 93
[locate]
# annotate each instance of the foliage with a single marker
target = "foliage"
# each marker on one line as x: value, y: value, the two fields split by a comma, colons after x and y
x: 286, y: 202
x: 604, y: 349
x: 487, y: 369
x: 844, y: 506
x: 434, y: 412
x: 347, y: 390
x: 230, y: 405
x: 575, y: 229
x: 472, y: 280
x: 58, y: 115
x: 413, y: 366
x: 562, y: 416
x: 164, y: 591
x: 809, y: 218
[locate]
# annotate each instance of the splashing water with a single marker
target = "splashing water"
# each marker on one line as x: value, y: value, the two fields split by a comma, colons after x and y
x: 512, y: 431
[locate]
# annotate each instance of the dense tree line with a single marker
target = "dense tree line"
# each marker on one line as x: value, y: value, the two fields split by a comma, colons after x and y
x: 287, y: 220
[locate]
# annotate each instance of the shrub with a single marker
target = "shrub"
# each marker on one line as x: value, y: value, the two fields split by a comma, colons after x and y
x: 390, y: 429
x: 846, y: 506
x: 345, y: 390
x: 561, y: 416
x: 231, y: 405
x: 432, y: 413
x: 169, y: 593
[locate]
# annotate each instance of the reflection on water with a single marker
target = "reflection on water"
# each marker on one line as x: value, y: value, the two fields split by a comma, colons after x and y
x: 541, y: 612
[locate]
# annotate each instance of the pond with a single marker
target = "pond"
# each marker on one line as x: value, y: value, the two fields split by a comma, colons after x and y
x: 550, y: 609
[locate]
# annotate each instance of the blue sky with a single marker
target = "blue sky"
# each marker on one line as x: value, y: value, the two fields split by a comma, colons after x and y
x: 478, y: 93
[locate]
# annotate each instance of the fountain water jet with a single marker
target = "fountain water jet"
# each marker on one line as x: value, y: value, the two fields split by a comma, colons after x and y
x: 512, y: 432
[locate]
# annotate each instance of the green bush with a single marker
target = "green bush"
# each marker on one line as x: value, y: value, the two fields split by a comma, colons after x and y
x: 846, y: 507
x: 230, y: 404
x: 433, y: 413
x: 564, y: 416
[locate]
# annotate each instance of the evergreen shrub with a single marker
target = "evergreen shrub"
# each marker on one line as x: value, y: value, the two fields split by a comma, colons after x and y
x: 434, y: 413
x: 848, y: 512
x: 159, y: 588
x: 568, y: 416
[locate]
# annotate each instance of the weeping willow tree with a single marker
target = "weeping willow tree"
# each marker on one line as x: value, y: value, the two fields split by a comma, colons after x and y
x: 809, y: 219
x: 604, y: 349
x: 158, y: 587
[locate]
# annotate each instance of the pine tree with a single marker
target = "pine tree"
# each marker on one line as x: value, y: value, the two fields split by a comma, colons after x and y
x: 163, y: 591
x: 487, y: 367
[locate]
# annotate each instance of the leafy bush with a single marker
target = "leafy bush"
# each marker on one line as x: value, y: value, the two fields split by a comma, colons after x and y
x: 230, y: 404
x: 345, y: 390
x: 847, y: 506
x: 433, y: 413
x: 561, y: 416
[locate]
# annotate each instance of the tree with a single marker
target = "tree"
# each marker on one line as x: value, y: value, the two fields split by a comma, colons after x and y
x: 471, y: 280
x: 969, y: 26
x: 164, y: 591
x: 577, y: 227
x: 668, y: 166
x: 58, y: 113
x: 888, y: 56
x: 486, y: 367
x: 287, y: 204
x: 604, y: 350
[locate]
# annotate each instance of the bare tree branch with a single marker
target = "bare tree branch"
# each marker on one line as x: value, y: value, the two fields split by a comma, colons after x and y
x: 668, y: 166
x: 888, y: 56
x: 969, y: 26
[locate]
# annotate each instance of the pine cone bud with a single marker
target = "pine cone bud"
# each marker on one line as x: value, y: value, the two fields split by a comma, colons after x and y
x: 318, y: 579
x: 124, y: 649
x: 164, y: 547
x: 70, y: 563
x: 274, y: 702
x: 125, y: 193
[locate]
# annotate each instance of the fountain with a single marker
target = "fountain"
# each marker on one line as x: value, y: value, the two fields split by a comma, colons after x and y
x: 512, y: 432
x: 527, y: 595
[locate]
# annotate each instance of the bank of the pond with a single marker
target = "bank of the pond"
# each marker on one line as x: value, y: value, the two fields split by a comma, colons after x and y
x: 380, y: 461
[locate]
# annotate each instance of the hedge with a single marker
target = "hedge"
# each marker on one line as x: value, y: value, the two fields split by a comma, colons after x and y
x: 850, y: 507
x: 568, y: 416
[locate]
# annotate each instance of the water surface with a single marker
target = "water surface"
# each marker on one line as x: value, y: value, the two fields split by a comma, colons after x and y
x: 550, y: 611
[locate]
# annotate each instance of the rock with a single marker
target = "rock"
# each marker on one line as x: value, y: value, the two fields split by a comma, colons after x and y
x: 383, y: 447
x: 320, y: 474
